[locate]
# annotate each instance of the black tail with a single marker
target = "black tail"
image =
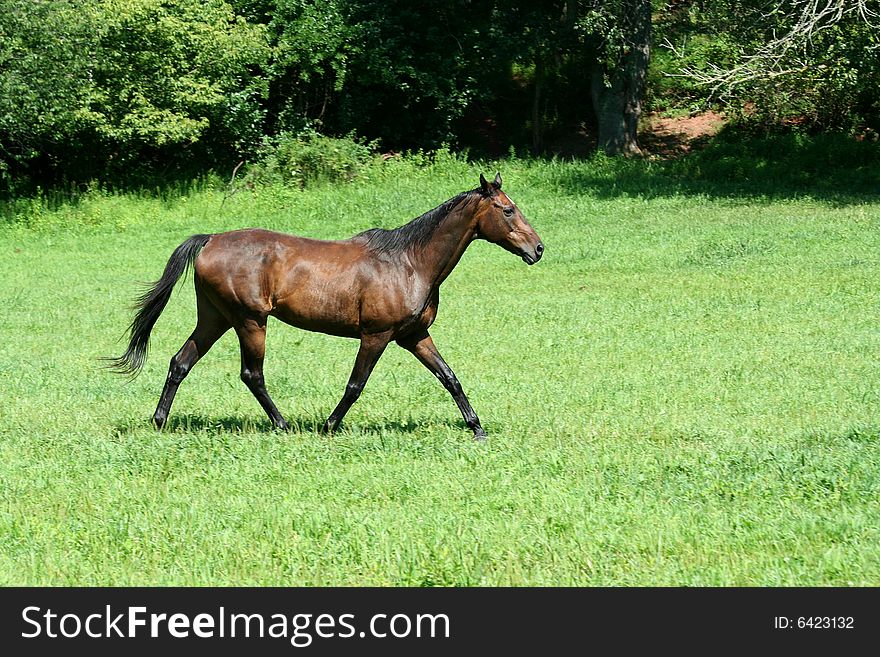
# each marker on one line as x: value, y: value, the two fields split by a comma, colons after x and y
x: 151, y: 304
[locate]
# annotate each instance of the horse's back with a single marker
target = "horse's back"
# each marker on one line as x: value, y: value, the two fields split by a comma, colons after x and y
x: 309, y: 283
x: 257, y: 243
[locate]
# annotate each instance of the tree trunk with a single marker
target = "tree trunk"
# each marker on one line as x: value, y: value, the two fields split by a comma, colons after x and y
x: 537, y: 114
x: 617, y: 92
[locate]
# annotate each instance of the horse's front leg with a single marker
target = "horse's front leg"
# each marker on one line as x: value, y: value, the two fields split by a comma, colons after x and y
x: 370, y: 350
x: 422, y: 347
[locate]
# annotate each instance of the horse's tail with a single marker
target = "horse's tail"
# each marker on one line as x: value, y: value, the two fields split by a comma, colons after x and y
x: 151, y: 304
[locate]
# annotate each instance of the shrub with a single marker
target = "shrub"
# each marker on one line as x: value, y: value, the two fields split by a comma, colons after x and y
x: 307, y: 158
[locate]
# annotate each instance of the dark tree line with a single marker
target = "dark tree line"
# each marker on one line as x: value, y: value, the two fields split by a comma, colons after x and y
x: 466, y: 72
x: 96, y: 89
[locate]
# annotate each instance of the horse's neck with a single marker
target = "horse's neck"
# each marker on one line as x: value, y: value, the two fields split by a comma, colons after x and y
x: 438, y: 258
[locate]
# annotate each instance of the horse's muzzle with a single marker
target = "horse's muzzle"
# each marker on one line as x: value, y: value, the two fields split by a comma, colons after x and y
x: 532, y: 258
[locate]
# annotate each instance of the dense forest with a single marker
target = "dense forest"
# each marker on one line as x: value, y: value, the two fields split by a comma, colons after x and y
x: 111, y: 90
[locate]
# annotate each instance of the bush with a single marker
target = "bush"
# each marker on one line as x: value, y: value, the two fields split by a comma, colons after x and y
x: 307, y: 158
x: 115, y: 91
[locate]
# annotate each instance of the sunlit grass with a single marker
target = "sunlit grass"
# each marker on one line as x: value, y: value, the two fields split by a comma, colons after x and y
x: 684, y: 391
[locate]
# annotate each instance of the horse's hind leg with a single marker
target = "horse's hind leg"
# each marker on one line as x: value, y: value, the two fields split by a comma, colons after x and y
x: 370, y: 350
x: 252, y: 339
x: 209, y: 327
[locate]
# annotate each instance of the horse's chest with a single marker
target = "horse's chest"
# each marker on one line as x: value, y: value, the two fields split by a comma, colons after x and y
x: 422, y: 311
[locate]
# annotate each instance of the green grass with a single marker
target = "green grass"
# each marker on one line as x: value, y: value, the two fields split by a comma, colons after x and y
x: 683, y: 392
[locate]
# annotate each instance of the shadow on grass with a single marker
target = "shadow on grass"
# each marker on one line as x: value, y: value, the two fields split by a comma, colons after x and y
x: 859, y: 434
x: 219, y: 425
x: 832, y: 168
x: 28, y: 203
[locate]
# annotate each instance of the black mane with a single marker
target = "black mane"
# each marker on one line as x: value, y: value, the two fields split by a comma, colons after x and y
x: 417, y: 232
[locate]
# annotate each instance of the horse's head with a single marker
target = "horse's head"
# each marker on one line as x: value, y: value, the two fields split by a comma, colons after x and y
x: 499, y: 221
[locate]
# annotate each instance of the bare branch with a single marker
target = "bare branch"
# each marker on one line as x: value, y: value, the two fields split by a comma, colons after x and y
x: 786, y: 54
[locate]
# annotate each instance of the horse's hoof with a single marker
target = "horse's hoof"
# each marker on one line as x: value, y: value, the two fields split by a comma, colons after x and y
x: 480, y: 436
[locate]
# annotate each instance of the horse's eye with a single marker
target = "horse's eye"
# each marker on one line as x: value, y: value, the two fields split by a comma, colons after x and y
x: 508, y: 212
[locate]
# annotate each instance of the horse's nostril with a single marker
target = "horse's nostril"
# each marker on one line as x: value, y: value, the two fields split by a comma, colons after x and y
x: 539, y: 249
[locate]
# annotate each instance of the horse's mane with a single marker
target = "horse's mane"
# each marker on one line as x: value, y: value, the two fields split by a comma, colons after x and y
x: 417, y: 232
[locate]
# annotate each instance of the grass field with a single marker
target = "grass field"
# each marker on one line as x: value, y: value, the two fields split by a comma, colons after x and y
x: 684, y: 391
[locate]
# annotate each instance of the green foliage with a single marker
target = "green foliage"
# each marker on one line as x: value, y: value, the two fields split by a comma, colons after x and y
x: 313, y: 43
x: 312, y: 40
x: 167, y: 72
x: 44, y: 61
x: 606, y: 27
x: 126, y: 93
x: 825, y: 78
x: 101, y: 85
x: 668, y: 89
x: 307, y: 158
x: 417, y: 69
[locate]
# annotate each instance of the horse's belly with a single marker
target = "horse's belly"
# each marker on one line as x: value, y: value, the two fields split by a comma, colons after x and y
x: 325, y: 308
x: 309, y: 322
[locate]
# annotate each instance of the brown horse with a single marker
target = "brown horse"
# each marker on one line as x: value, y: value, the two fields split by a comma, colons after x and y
x: 378, y: 286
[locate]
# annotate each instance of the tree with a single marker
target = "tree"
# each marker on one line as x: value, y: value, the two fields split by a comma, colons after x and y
x: 810, y: 63
x: 44, y: 79
x: 313, y: 44
x: 608, y: 43
x: 418, y: 68
x: 584, y: 48
x: 172, y: 74
x: 121, y: 83
x: 618, y: 37
x: 96, y: 87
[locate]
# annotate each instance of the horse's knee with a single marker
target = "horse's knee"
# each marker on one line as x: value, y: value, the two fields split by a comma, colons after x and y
x: 252, y: 379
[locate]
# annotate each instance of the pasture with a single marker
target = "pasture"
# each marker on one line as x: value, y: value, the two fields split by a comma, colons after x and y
x: 684, y: 391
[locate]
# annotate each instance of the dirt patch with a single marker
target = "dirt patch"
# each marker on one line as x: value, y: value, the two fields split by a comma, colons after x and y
x: 670, y: 137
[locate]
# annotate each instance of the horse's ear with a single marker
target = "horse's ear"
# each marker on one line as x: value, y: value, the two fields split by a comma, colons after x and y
x: 497, y: 182
x: 484, y: 185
